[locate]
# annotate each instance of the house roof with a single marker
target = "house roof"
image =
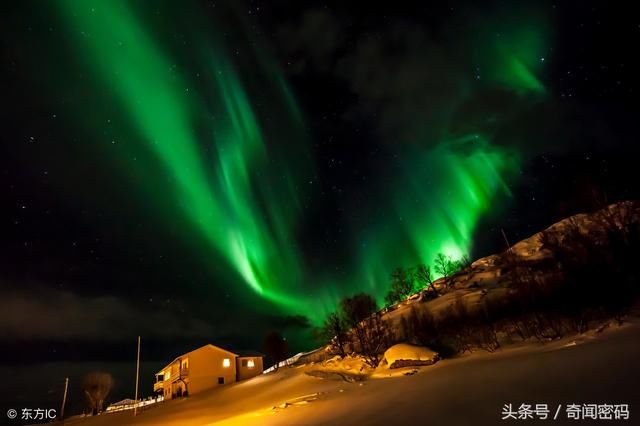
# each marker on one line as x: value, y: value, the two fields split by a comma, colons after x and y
x: 200, y: 348
x: 246, y: 354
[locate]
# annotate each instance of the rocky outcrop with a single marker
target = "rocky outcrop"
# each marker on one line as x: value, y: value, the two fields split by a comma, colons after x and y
x: 405, y: 355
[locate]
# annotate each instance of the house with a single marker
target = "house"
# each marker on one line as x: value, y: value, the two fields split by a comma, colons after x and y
x: 205, y: 368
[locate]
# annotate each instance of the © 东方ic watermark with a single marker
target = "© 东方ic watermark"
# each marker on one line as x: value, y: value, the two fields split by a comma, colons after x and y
x: 568, y: 411
x: 32, y: 414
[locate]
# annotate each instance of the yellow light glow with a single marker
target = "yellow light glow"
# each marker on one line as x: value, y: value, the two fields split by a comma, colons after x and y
x: 250, y: 363
x: 226, y: 362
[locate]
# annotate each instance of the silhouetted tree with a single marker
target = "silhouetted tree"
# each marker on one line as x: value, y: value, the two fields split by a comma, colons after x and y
x: 357, y: 307
x: 420, y: 327
x: 445, y: 266
x: 463, y: 263
x: 370, y: 333
x: 276, y: 347
x: 333, y: 331
x: 96, y: 386
x: 423, y: 277
x: 462, y: 324
x: 374, y: 336
x: 487, y: 326
x: 401, y: 286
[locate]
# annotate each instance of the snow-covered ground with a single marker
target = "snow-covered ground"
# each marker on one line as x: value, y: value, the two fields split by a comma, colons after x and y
x: 590, y: 369
x: 471, y: 390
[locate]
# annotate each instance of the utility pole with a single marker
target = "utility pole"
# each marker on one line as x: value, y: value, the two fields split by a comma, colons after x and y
x: 135, y: 406
x: 64, y: 398
x: 506, y: 240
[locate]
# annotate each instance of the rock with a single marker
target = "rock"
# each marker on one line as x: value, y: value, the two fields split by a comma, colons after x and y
x: 405, y: 355
x: 334, y: 375
x: 333, y: 360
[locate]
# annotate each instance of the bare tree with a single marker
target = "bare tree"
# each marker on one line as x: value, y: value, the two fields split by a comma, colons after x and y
x: 369, y: 331
x: 333, y: 331
x: 445, y: 266
x: 401, y: 286
x: 276, y: 347
x: 96, y: 386
x: 463, y: 263
x: 423, y: 276
x: 356, y: 308
x: 423, y: 328
x: 375, y: 338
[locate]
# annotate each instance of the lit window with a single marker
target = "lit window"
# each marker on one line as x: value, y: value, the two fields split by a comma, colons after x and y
x: 168, y: 375
x: 250, y: 364
x: 226, y: 362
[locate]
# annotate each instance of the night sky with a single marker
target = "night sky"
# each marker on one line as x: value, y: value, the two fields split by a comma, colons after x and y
x: 210, y: 171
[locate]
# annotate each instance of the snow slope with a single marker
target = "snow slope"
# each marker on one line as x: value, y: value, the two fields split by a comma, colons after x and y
x: 487, y: 278
x: 593, y: 368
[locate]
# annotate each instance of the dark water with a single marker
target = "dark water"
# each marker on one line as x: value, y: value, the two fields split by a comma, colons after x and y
x: 41, y: 385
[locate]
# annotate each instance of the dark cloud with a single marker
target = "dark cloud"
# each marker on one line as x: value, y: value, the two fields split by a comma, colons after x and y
x: 422, y: 78
x: 406, y: 83
x: 311, y: 43
x: 288, y: 322
x: 49, y: 315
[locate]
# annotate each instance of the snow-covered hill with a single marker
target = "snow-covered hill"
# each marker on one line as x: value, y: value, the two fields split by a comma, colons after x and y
x: 596, y: 368
x: 490, y: 277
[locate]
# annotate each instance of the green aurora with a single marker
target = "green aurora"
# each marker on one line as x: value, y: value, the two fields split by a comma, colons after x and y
x: 238, y: 179
x: 221, y: 195
x: 444, y: 195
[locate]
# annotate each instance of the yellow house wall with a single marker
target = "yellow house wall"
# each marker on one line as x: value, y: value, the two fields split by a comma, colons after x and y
x: 173, y: 369
x: 206, y: 365
x: 246, y: 372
